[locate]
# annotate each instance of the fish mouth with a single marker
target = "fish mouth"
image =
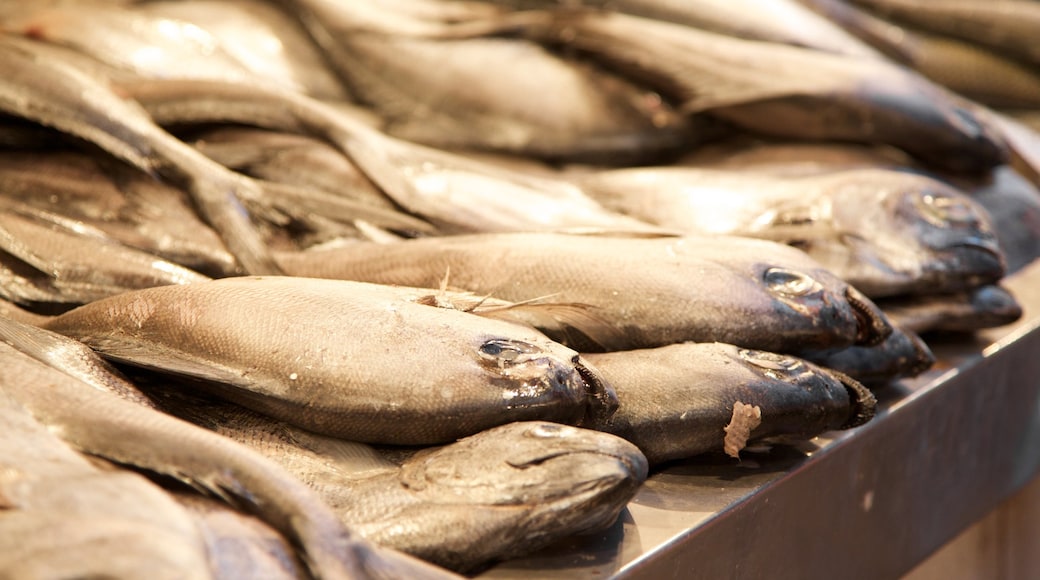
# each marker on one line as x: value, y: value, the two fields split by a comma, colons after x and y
x: 923, y: 359
x: 862, y: 402
x: 982, y: 262
x: 601, y: 397
x: 872, y: 327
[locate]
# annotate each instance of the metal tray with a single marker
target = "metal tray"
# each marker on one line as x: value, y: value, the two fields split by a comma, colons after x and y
x: 945, y: 448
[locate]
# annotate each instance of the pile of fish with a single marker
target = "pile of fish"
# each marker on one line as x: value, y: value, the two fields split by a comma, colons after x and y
x: 320, y: 288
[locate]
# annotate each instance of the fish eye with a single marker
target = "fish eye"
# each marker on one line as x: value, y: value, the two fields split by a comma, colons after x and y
x: 942, y: 210
x: 789, y: 282
x: 546, y: 431
x: 774, y: 365
x: 505, y: 350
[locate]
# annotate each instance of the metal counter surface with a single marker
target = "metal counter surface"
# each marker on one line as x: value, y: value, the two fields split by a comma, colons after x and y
x: 945, y: 448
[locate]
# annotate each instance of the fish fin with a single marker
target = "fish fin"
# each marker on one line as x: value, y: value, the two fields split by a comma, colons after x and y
x: 347, y: 457
x: 559, y: 320
x: 126, y: 350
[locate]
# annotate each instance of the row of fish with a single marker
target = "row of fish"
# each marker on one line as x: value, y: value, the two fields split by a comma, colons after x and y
x: 412, y: 278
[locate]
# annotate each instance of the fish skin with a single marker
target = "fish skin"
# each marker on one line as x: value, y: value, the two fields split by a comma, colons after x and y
x: 101, y: 424
x: 1013, y: 203
x: 452, y: 192
x: 63, y: 517
x: 43, y: 88
x: 462, y: 522
x: 903, y: 354
x: 766, y: 88
x: 652, y: 291
x: 885, y: 232
x: 63, y: 262
x: 477, y: 372
x: 676, y: 399
x: 983, y: 307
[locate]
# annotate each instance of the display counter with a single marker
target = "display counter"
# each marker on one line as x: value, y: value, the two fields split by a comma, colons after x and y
x: 945, y: 448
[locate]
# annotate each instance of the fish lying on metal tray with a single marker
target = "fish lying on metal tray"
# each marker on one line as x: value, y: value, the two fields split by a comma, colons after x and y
x: 35, y: 372
x: 679, y: 401
x: 496, y: 495
x: 885, y: 232
x: 350, y: 359
x: 903, y: 354
x: 647, y: 291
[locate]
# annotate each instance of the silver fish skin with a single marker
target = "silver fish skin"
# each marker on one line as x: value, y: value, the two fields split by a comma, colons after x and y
x: 64, y: 517
x: 768, y: 88
x: 127, y: 205
x: 452, y: 192
x: 45, y: 259
x: 983, y: 307
x: 327, y: 357
x: 677, y: 400
x: 1008, y: 26
x: 46, y: 89
x: 649, y: 291
x: 512, y: 504
x: 102, y: 424
x: 902, y: 355
x: 885, y: 232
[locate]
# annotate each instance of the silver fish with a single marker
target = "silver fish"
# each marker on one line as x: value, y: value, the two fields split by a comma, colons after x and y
x: 885, y: 232
x: 65, y: 517
x: 677, y: 400
x: 903, y: 354
x: 983, y: 307
x: 42, y: 88
x: 99, y: 423
x: 648, y: 291
x: 329, y: 357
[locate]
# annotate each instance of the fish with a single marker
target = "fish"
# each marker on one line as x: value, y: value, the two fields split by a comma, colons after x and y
x: 452, y: 192
x: 649, y: 291
x: 128, y: 206
x: 511, y: 490
x: 47, y: 260
x: 99, y: 423
x: 1013, y: 204
x: 779, y: 90
x: 327, y: 355
x: 1006, y: 26
x: 987, y: 306
x: 967, y: 68
x: 793, y: 158
x: 902, y: 355
x: 66, y: 517
x: 45, y: 89
x: 886, y: 232
x: 677, y: 400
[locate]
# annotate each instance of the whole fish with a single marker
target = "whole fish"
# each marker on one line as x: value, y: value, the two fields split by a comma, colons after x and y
x: 969, y: 69
x: 65, y: 517
x: 903, y: 354
x: 50, y: 261
x: 128, y: 206
x: 780, y: 90
x: 512, y: 489
x: 1009, y: 26
x: 454, y: 193
x: 327, y: 355
x: 967, y: 311
x: 646, y: 291
x: 677, y: 401
x: 100, y: 423
x: 42, y: 88
x: 885, y: 232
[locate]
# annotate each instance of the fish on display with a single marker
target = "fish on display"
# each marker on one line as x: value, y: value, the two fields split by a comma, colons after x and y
x: 679, y: 400
x: 983, y: 307
x: 329, y: 355
x: 43, y: 88
x: 903, y: 354
x: 496, y: 495
x: 647, y: 291
x: 97, y: 422
x: 49, y: 261
x: 1013, y: 204
x: 885, y: 232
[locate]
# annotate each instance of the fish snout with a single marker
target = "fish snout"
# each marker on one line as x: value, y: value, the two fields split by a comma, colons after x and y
x: 569, y: 441
x: 862, y: 403
x: 872, y: 327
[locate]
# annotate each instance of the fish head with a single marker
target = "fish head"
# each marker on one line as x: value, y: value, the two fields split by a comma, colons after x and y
x: 806, y: 297
x: 909, y: 234
x: 528, y: 463
x: 537, y: 373
x: 994, y: 306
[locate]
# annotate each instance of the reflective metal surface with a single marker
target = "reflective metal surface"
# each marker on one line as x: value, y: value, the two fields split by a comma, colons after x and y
x: 870, y: 503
